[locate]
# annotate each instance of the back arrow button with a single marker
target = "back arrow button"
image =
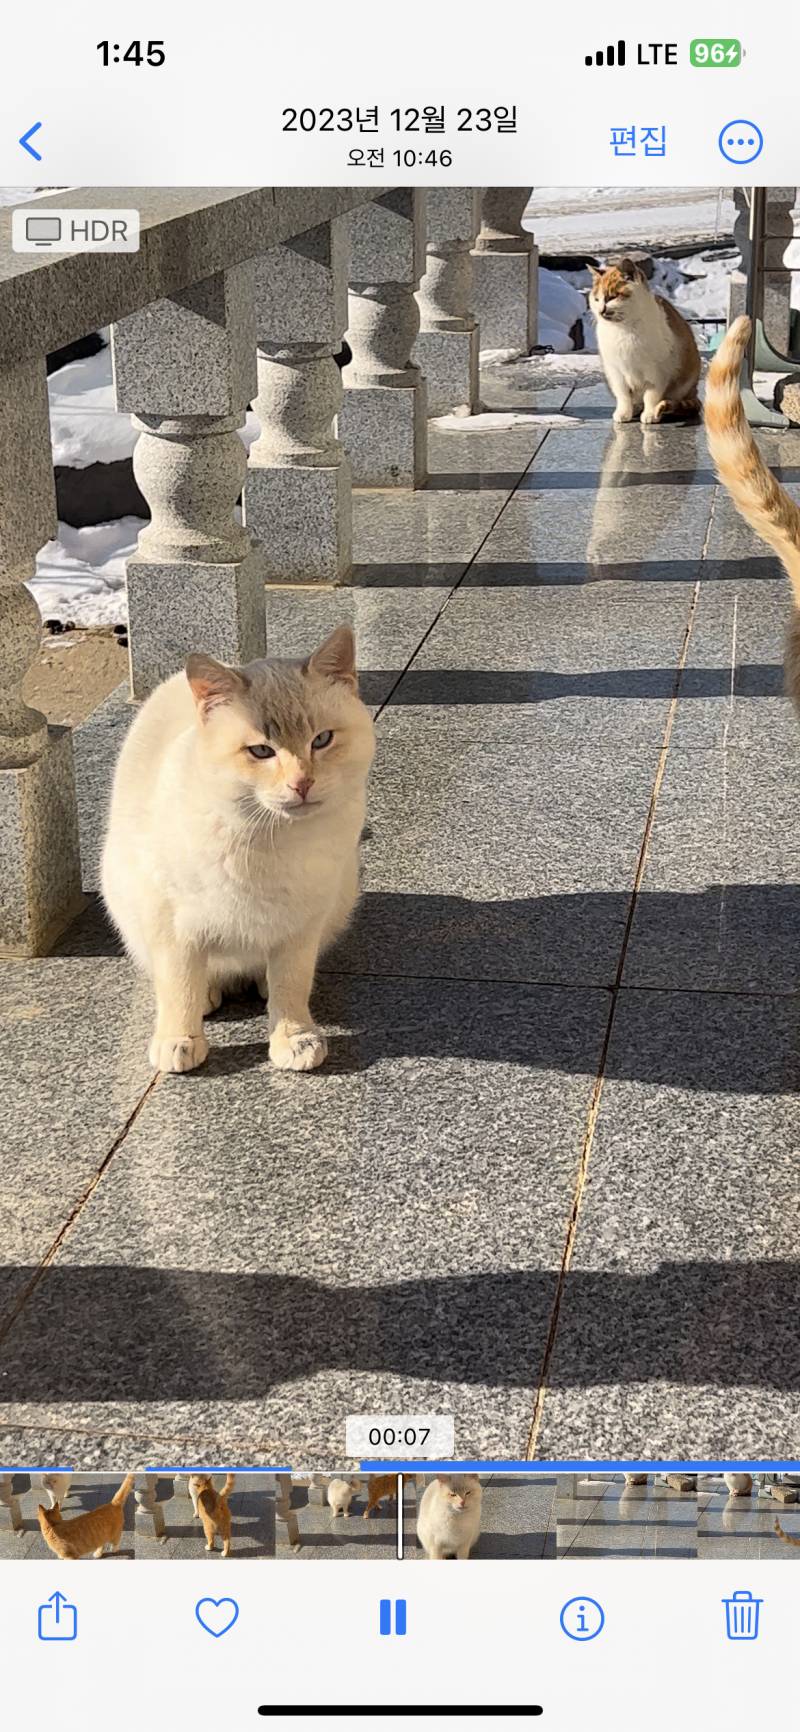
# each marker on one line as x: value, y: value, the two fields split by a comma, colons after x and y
x: 26, y: 138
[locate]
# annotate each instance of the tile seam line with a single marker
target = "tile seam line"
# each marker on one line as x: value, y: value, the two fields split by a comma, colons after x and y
x: 468, y: 567
x: 545, y: 984
x: 597, y: 1091
x: 10, y: 1318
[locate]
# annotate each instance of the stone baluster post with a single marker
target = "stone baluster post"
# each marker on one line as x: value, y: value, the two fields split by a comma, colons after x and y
x: 149, y: 1513
x: 446, y: 349
x: 284, y: 1514
x: 40, y: 880
x: 298, y: 493
x: 778, y: 232
x: 505, y: 279
x: 737, y: 281
x: 185, y: 367
x: 382, y: 422
x: 11, y: 1516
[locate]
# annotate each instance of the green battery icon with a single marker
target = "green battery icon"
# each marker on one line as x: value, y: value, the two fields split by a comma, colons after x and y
x: 715, y: 51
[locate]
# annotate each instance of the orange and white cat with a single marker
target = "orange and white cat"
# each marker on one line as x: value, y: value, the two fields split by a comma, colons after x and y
x: 649, y: 355
x: 232, y: 845
x: 449, y: 1520
x: 380, y: 1486
x: 763, y: 503
x: 91, y: 1532
x: 212, y: 1508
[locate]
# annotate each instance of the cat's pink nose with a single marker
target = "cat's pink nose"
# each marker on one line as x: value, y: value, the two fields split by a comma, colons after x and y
x: 302, y: 786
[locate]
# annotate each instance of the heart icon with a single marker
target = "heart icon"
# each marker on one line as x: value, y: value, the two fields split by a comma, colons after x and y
x: 216, y: 1616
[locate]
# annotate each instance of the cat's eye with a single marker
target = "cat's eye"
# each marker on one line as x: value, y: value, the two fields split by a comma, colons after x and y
x: 323, y: 739
x: 262, y: 750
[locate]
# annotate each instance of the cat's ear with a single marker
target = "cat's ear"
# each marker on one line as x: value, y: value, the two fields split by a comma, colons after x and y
x: 336, y: 658
x: 632, y: 272
x: 214, y: 684
x: 594, y: 273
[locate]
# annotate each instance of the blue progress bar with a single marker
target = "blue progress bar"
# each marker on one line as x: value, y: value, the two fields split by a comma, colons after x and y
x: 422, y: 1465
x: 386, y: 1617
x: 400, y: 1617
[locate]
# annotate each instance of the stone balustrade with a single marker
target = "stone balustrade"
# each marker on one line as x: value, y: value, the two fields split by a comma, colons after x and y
x: 446, y: 349
x: 149, y: 1512
x: 504, y: 262
x: 382, y: 422
x: 236, y: 297
x: 10, y: 1512
x: 778, y: 234
x: 298, y: 495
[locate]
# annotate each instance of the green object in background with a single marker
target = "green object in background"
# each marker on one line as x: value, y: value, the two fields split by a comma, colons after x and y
x: 715, y: 51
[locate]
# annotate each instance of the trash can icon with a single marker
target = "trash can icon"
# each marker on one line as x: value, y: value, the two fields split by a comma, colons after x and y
x: 741, y: 1616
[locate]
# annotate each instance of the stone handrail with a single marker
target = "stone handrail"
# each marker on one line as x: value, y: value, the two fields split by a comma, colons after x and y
x: 236, y: 296
x: 186, y: 233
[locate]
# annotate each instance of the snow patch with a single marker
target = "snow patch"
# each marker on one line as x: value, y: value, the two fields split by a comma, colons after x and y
x: 81, y: 576
x: 86, y: 426
x: 497, y: 421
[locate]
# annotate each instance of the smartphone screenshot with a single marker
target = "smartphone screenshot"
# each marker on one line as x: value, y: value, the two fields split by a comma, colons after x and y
x: 399, y: 907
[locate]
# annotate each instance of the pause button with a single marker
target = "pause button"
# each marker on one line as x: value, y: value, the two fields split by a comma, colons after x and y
x: 385, y: 1624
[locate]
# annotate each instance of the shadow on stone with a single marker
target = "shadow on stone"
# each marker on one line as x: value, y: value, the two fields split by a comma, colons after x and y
x: 122, y: 1334
x: 435, y: 686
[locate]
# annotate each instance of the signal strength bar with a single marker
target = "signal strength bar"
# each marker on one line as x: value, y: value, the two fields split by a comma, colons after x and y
x: 609, y: 56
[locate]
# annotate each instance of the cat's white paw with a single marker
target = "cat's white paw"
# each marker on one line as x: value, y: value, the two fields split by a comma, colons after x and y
x: 620, y: 416
x: 185, y: 1053
x: 213, y: 1000
x: 304, y: 1050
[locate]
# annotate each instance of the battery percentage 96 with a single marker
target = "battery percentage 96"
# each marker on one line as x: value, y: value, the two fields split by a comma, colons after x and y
x: 715, y: 51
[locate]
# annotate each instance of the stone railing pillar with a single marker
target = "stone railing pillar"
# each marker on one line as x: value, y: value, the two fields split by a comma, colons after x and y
x: 40, y: 881
x: 298, y: 493
x: 149, y: 1513
x: 186, y: 369
x: 11, y: 1516
x: 447, y: 346
x: 505, y: 280
x: 382, y: 422
x: 737, y: 281
x: 778, y: 232
x: 285, y: 1516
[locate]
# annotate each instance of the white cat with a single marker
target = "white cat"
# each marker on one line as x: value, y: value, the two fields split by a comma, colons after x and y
x: 340, y: 1494
x: 56, y: 1486
x: 649, y: 355
x: 739, y: 1484
x: 449, y: 1520
x: 232, y: 845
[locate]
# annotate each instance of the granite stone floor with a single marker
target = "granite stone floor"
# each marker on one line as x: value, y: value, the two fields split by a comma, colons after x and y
x: 549, y: 1179
x: 518, y: 1517
x: 602, y: 1517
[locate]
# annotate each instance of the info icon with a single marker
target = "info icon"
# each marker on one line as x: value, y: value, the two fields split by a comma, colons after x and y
x: 582, y: 1618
